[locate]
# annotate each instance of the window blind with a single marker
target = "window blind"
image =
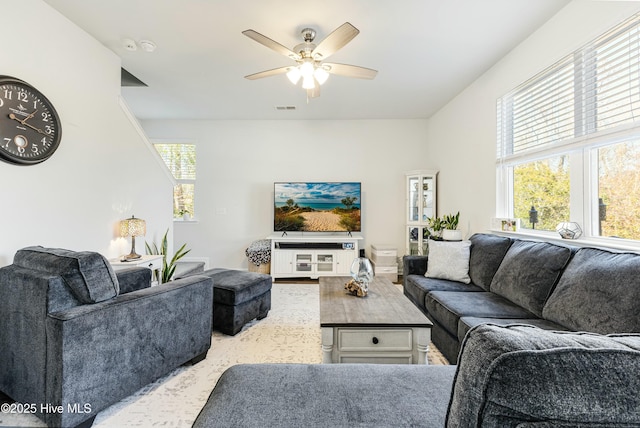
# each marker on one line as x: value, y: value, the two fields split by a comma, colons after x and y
x: 179, y: 158
x: 594, y: 89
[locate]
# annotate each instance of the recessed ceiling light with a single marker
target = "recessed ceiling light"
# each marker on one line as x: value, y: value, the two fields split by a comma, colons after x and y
x: 147, y: 45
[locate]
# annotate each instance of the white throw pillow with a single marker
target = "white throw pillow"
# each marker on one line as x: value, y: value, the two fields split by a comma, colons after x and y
x: 449, y: 260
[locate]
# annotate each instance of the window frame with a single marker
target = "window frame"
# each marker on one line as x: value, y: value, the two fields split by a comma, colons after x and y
x: 179, y: 181
x: 581, y: 148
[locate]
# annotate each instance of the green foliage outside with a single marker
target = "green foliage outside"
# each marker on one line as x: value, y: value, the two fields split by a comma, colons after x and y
x: 619, y: 189
x: 181, y: 160
x: 545, y: 186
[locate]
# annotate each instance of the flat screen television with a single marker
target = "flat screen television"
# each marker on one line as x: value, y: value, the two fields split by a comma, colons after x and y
x: 316, y: 207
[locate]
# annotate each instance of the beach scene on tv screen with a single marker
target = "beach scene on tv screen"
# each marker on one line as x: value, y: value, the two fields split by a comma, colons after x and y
x: 317, y: 207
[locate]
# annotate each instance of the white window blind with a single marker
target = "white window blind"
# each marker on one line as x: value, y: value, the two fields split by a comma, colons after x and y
x: 180, y: 159
x: 595, y: 89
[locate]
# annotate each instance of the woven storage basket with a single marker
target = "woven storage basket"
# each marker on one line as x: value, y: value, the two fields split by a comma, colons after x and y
x: 263, y: 268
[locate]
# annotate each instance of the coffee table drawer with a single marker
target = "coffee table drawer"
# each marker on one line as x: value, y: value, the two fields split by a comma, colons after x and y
x: 356, y: 339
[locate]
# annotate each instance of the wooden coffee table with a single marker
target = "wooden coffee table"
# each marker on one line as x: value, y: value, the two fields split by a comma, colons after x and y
x: 383, y: 327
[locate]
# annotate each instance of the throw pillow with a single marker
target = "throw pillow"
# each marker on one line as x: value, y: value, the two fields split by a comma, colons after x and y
x: 449, y: 260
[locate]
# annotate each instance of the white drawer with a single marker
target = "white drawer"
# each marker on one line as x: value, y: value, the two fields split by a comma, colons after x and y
x: 385, y: 269
x: 384, y: 255
x: 371, y: 340
x: 154, y: 264
x: 402, y: 358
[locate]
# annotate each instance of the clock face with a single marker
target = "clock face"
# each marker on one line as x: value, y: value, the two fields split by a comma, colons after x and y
x: 29, y: 125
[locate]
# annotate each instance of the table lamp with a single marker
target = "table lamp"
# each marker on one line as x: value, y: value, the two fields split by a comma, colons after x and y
x: 132, y: 227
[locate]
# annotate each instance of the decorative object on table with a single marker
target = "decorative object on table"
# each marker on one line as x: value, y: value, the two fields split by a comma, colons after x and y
x: 362, y: 274
x: 533, y: 217
x: 259, y: 255
x: 168, y: 267
x: 132, y: 227
x: 29, y: 123
x: 450, y: 230
x: 356, y: 289
x: 569, y: 230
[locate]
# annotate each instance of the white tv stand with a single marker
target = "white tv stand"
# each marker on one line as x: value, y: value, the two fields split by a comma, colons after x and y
x: 312, y: 256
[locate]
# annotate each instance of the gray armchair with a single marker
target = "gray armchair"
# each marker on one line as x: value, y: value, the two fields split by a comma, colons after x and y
x: 75, y: 334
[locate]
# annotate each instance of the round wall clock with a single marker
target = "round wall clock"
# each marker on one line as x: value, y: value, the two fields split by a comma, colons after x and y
x: 29, y: 125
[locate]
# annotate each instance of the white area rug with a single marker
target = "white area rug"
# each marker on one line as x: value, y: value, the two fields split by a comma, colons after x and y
x: 289, y: 334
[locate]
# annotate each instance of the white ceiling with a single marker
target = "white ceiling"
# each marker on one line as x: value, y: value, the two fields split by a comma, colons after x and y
x: 425, y: 51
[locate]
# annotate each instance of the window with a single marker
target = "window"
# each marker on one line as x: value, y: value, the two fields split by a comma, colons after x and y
x: 569, y: 140
x: 180, y: 158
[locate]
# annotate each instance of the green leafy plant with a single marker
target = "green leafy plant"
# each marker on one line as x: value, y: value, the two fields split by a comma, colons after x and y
x: 168, y: 268
x: 434, y: 227
x: 450, y: 221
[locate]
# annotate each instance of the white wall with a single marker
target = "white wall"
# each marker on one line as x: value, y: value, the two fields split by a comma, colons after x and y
x: 102, y: 171
x: 238, y: 162
x: 464, y: 131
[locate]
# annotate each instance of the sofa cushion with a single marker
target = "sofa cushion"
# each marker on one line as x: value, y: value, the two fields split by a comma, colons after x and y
x: 88, y: 275
x: 449, y: 260
x: 487, y: 252
x: 447, y: 307
x: 328, y: 395
x: 467, y: 323
x: 599, y: 291
x: 529, y: 272
x: 417, y: 287
x: 508, y: 375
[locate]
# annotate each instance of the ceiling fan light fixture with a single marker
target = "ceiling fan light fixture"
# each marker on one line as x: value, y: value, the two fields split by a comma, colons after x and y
x: 306, y: 69
x: 294, y: 75
x: 308, y: 82
x: 321, y: 75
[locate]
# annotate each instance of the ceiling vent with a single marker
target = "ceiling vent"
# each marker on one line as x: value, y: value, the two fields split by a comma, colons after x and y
x: 283, y: 108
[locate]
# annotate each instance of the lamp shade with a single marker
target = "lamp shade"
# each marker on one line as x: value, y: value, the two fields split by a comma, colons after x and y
x: 133, y: 227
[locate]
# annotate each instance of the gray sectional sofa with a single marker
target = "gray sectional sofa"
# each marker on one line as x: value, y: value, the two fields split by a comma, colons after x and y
x: 504, y: 324
x: 508, y: 376
x: 554, y: 287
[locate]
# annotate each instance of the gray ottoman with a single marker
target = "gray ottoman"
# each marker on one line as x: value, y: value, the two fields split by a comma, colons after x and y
x: 238, y: 297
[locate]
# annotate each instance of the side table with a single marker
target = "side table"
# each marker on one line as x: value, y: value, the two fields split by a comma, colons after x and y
x: 153, y: 262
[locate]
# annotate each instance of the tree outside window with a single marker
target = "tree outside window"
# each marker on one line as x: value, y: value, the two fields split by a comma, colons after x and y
x: 545, y: 186
x: 619, y: 190
x: 180, y: 158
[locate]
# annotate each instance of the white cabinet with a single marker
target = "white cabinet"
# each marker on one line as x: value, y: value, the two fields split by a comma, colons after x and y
x: 421, y: 205
x: 315, y: 256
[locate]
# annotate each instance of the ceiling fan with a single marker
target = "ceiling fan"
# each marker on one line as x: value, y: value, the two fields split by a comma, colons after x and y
x: 309, y: 58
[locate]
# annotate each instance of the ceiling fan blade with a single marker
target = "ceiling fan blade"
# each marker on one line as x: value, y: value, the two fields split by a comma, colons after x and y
x: 350, y: 70
x: 268, y: 73
x: 334, y: 41
x: 271, y: 44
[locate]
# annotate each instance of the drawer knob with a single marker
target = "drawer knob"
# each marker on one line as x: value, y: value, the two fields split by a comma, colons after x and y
x: 375, y: 340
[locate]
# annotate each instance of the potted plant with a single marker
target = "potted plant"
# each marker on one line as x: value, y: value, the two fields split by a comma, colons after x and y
x: 168, y: 267
x: 186, y: 215
x: 435, y: 227
x: 450, y: 230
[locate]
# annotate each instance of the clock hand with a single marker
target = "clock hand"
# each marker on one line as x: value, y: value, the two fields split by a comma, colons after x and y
x: 28, y: 117
x: 14, y: 117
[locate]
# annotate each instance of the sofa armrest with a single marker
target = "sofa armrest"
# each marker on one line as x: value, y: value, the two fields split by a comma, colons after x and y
x: 132, y: 279
x: 514, y: 374
x: 103, y: 352
x: 414, y: 265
